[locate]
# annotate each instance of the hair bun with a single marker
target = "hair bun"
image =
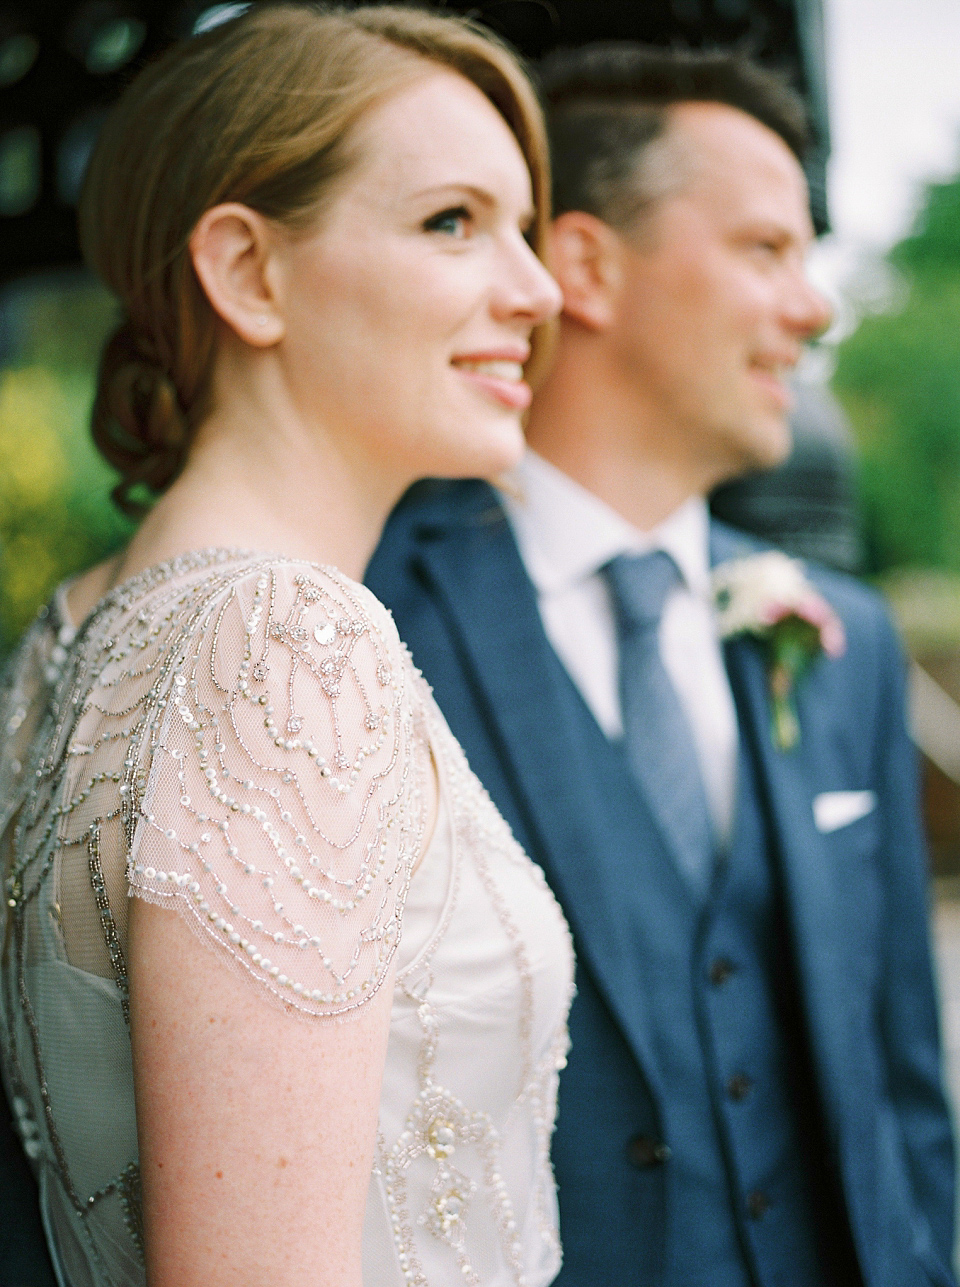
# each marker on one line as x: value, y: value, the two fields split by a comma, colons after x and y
x: 138, y: 423
x: 264, y: 110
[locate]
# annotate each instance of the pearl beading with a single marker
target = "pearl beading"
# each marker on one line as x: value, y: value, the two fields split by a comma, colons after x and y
x: 130, y: 676
x: 301, y: 860
x: 439, y: 1123
x: 145, y: 696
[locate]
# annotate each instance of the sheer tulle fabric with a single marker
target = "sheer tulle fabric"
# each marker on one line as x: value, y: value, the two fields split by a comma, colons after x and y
x: 281, y: 811
x: 244, y: 741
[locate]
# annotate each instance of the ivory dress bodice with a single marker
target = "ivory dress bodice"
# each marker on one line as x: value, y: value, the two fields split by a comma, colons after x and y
x: 244, y: 740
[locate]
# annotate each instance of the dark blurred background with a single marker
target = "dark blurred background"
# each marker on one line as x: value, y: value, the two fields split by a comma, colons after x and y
x: 62, y: 63
x: 873, y: 485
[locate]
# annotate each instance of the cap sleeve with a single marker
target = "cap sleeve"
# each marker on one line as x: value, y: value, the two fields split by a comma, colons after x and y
x: 283, y: 806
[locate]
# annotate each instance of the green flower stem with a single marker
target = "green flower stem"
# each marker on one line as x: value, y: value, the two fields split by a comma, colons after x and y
x: 786, y: 726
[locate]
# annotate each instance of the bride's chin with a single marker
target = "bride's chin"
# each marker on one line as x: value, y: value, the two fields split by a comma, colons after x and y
x: 475, y: 450
x: 506, y: 448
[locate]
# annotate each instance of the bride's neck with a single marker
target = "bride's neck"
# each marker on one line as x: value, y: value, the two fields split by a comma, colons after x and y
x: 268, y: 483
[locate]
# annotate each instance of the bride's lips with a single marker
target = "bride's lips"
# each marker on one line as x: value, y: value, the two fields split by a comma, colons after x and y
x: 500, y: 375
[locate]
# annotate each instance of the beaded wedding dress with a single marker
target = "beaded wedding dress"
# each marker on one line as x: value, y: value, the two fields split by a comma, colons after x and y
x: 244, y: 740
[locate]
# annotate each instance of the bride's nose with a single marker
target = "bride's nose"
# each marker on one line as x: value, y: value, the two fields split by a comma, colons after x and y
x: 524, y: 288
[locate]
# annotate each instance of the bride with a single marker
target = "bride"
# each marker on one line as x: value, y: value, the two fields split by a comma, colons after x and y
x: 282, y: 1001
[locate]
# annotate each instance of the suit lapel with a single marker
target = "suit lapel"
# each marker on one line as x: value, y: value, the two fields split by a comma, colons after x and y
x: 590, y: 832
x: 590, y: 829
x: 813, y: 892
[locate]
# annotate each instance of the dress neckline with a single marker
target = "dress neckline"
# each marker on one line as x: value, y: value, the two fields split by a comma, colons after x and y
x: 166, y: 570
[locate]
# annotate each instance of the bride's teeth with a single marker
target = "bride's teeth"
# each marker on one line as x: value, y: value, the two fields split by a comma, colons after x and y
x: 497, y: 370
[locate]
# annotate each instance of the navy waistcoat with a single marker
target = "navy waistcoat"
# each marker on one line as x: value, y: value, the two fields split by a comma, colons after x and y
x: 747, y: 1187
x: 750, y: 1192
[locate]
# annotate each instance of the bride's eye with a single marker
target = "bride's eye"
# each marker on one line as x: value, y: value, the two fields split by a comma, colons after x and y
x: 453, y: 222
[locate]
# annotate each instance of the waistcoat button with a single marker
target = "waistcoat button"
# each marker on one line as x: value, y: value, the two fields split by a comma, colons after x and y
x: 758, y: 1204
x: 721, y: 970
x: 644, y: 1152
x: 739, y: 1087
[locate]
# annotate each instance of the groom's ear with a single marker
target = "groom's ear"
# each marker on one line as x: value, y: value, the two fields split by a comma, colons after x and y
x: 586, y: 258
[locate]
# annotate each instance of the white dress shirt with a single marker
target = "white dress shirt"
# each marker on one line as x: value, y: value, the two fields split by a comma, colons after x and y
x: 565, y: 535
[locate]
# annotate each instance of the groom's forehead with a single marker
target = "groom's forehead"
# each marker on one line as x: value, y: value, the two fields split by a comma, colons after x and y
x: 732, y: 168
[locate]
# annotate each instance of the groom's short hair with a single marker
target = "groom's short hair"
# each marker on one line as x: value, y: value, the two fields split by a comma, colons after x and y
x: 608, y: 106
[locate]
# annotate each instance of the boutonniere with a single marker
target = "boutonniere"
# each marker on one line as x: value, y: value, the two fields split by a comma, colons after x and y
x: 768, y: 596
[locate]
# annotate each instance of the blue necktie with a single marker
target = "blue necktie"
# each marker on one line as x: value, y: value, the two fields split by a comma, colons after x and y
x: 656, y: 733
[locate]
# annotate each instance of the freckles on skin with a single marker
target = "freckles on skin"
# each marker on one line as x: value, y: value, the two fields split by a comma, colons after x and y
x: 380, y: 304
x: 365, y: 355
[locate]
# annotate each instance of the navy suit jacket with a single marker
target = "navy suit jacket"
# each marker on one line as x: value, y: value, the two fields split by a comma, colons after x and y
x: 856, y: 898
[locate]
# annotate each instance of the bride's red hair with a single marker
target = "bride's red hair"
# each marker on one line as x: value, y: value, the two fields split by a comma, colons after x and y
x: 260, y: 110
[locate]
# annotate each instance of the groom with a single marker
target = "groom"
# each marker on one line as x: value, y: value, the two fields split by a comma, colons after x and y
x: 753, y: 1095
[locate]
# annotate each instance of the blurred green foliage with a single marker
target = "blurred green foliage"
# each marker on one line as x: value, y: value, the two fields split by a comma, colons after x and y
x: 56, y: 515
x: 898, y: 376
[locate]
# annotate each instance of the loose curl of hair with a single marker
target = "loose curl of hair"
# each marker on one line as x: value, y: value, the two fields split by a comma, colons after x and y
x: 261, y: 110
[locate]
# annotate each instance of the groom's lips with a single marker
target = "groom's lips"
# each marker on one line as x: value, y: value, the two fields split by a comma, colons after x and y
x: 769, y: 372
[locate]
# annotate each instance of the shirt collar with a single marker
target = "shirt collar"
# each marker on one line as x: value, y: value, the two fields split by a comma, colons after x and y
x: 566, y: 534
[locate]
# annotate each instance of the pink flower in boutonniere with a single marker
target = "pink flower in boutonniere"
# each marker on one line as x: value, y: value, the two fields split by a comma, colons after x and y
x: 768, y: 596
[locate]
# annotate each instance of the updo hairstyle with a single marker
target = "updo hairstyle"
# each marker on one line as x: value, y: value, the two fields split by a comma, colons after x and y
x: 260, y: 110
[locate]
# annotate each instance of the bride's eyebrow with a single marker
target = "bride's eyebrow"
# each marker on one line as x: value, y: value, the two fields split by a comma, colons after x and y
x: 457, y: 189
x: 481, y: 195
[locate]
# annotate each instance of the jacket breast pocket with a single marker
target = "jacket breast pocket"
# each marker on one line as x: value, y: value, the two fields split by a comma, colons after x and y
x: 852, y: 852
x: 857, y: 841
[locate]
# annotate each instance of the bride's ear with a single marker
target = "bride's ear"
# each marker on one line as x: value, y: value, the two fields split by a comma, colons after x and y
x: 234, y: 253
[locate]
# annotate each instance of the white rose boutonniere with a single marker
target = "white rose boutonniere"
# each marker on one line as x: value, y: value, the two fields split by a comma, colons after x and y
x: 768, y: 596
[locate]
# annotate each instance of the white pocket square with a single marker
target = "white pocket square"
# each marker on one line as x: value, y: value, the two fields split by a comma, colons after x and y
x: 835, y: 809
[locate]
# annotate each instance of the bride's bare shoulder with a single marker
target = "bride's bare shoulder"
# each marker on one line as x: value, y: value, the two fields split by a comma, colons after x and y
x: 87, y: 589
